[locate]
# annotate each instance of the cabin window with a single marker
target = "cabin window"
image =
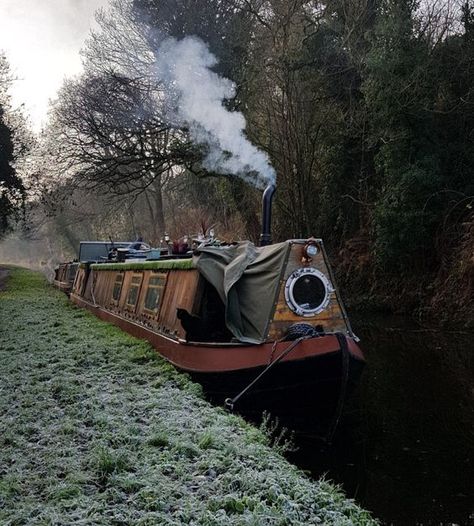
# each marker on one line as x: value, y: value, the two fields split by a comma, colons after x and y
x: 307, y: 291
x: 71, y: 272
x: 117, y: 288
x: 134, y: 290
x: 156, y: 284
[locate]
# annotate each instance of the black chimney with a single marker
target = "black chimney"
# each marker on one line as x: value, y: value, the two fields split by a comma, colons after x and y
x: 266, y: 236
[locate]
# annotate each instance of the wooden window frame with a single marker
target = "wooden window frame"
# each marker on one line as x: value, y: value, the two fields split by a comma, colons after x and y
x: 133, y: 306
x: 162, y: 276
x: 115, y: 301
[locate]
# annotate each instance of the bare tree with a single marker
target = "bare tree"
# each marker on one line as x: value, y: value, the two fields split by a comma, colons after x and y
x: 107, y: 130
x: 15, y: 141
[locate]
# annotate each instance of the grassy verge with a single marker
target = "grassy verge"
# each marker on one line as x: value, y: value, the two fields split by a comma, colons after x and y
x: 96, y: 429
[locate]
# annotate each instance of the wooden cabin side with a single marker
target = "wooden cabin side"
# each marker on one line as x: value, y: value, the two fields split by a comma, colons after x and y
x: 60, y: 273
x: 60, y: 276
x: 150, y: 297
x: 80, y: 280
x: 331, y: 317
x: 64, y: 275
x: 151, y: 293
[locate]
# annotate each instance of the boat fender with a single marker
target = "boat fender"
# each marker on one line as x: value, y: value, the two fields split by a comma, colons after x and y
x: 297, y: 330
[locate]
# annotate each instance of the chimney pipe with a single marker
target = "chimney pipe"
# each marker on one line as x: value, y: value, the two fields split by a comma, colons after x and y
x: 266, y: 237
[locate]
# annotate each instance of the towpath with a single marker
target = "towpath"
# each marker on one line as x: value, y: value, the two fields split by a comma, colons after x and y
x: 96, y: 429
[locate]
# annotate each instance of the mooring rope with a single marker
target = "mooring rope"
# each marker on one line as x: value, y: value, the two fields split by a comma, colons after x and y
x: 230, y: 402
x: 345, y: 356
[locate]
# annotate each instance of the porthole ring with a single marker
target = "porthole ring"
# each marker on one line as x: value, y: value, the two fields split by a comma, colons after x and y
x: 307, y: 291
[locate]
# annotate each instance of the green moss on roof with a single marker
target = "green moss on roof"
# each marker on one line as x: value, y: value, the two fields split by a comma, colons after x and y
x: 167, y: 264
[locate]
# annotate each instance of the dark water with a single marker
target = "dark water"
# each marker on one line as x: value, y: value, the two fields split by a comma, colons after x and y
x: 405, y: 449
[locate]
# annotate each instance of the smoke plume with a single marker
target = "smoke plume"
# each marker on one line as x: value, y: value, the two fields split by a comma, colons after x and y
x: 197, y: 96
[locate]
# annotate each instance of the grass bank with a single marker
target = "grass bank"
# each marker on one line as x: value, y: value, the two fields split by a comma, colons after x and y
x: 96, y: 429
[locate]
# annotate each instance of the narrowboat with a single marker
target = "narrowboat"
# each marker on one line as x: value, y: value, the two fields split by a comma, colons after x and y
x: 64, y: 275
x: 263, y: 328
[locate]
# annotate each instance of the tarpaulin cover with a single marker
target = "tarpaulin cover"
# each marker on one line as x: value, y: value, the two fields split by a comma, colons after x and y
x: 247, y: 280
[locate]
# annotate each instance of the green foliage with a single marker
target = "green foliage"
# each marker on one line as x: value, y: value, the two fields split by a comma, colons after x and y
x: 277, y: 437
x: 411, y: 173
x: 106, y: 462
x: 206, y: 441
x: 383, y: 150
x: 405, y: 213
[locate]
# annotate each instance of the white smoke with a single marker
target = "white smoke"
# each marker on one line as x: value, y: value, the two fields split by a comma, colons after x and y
x: 184, y: 67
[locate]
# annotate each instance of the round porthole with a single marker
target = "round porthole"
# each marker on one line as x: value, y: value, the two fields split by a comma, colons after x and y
x: 307, y: 291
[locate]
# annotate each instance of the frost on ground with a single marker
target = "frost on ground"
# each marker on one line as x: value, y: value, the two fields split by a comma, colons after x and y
x: 96, y: 429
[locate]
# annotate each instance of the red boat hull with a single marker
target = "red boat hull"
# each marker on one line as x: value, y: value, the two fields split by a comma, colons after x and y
x: 304, y: 389
x: 220, y: 358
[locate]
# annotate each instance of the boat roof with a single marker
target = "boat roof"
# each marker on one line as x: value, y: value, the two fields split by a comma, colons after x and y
x: 165, y: 264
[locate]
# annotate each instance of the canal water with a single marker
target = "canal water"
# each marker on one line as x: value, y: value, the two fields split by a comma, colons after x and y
x: 405, y: 448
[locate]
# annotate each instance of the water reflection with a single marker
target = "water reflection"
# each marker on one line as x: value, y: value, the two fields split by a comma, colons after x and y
x: 406, y: 447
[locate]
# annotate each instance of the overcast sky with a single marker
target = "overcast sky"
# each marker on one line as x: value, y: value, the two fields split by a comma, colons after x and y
x: 42, y: 39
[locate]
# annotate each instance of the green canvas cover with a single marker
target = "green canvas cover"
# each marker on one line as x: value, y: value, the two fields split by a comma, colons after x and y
x: 247, y: 279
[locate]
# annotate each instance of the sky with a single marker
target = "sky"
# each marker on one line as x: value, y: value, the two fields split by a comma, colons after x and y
x: 42, y: 39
